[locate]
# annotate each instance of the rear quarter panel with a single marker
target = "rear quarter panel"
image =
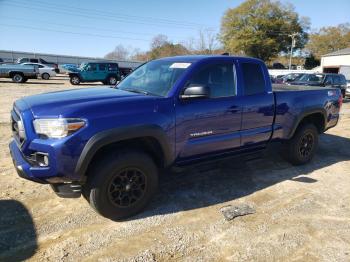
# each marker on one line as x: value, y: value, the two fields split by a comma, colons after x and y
x: 293, y: 106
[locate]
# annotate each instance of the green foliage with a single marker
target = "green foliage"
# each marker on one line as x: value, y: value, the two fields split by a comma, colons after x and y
x: 260, y: 28
x: 329, y: 39
x: 311, y: 62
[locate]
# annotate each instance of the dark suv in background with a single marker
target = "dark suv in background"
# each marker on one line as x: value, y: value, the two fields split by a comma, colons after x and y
x: 106, y: 72
x: 328, y: 79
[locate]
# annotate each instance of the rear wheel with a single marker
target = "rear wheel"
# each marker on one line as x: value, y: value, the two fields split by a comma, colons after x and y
x: 18, y: 78
x: 112, y: 80
x: 75, y: 80
x: 121, y: 186
x: 45, y: 76
x: 301, y: 148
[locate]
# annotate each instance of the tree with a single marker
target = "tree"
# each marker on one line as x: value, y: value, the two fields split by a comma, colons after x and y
x: 261, y: 28
x: 329, y: 39
x: 205, y: 43
x: 161, y: 47
x: 119, y: 53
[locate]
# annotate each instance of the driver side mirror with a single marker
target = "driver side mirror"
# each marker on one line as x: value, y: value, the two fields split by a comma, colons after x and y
x: 192, y: 92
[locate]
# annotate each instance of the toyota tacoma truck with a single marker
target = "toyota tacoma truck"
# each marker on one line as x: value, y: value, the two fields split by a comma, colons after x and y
x: 111, y: 144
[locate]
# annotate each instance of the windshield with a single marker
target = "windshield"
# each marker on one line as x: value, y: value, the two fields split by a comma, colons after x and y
x: 82, y: 66
x: 154, y: 78
x: 312, y: 78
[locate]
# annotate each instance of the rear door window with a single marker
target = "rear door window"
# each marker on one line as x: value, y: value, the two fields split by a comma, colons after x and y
x: 253, y: 79
x: 102, y: 67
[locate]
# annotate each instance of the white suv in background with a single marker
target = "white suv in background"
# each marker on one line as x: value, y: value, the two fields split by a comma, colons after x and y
x: 45, y: 71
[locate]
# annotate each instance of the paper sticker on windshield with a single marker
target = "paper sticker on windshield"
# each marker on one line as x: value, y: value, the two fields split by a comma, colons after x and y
x: 180, y: 65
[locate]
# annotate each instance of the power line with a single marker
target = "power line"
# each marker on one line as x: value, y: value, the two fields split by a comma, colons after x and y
x: 79, y: 26
x: 73, y: 33
x: 63, y: 6
x: 95, y: 17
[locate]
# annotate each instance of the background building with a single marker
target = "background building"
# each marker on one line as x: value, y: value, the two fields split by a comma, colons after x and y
x: 337, y: 62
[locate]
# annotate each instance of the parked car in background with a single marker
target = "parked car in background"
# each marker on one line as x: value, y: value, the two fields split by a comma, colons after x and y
x: 288, y: 78
x: 22, y: 60
x: 347, y: 92
x: 19, y: 73
x: 327, y: 79
x: 106, y: 72
x: 45, y: 71
x: 110, y: 144
x: 124, y: 71
x: 70, y: 67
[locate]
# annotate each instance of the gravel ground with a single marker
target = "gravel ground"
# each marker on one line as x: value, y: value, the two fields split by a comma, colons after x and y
x: 301, y: 213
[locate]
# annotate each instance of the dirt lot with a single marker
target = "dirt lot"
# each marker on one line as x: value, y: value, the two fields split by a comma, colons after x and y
x: 302, y: 213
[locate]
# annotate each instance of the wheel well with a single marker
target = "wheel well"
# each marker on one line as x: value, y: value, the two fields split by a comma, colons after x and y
x: 148, y: 145
x: 15, y: 72
x: 73, y: 74
x: 317, y: 119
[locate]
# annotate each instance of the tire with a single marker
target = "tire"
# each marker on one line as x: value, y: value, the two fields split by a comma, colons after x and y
x: 18, y: 78
x: 300, y: 149
x: 45, y: 76
x: 112, y: 80
x: 75, y: 80
x: 110, y: 184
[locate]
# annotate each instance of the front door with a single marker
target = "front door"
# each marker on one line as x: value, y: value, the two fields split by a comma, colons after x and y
x: 209, y: 125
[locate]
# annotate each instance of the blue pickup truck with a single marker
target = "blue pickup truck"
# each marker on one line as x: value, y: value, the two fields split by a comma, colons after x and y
x: 110, y: 144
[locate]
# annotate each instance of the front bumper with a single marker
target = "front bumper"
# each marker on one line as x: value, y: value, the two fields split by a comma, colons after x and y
x: 23, y: 167
x: 38, y: 174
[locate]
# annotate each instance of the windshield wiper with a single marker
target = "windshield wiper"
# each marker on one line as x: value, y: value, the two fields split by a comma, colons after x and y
x: 136, y: 91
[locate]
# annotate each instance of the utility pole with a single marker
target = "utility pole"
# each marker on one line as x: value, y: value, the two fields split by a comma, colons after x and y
x: 293, y: 36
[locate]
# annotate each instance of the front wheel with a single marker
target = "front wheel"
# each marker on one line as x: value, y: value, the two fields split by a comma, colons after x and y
x: 18, y: 78
x: 121, y: 186
x: 75, y: 80
x: 301, y: 148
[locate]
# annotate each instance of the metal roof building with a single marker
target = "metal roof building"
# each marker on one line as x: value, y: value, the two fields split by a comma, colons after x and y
x: 337, y: 62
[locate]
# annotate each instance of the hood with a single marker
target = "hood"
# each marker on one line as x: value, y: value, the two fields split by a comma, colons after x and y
x: 79, y: 101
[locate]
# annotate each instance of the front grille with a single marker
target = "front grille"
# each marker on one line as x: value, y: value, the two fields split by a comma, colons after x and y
x: 17, y: 127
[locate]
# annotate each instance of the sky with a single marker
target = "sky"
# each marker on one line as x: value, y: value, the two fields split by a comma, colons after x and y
x: 94, y: 27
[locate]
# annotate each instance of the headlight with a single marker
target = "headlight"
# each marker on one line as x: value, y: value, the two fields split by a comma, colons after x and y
x: 57, y: 127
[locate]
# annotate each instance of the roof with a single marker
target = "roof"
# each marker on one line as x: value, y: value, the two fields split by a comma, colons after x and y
x: 345, y: 51
x: 195, y: 58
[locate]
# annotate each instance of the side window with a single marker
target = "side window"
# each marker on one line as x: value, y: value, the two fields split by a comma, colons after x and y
x: 92, y: 67
x: 219, y: 78
x: 34, y: 60
x: 329, y: 80
x: 253, y: 78
x: 102, y: 67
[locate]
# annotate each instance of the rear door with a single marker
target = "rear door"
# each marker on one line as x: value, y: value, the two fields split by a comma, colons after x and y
x: 258, y: 105
x: 209, y: 125
x: 101, y: 72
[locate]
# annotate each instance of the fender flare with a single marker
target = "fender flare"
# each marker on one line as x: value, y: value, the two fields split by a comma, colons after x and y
x: 110, y: 136
x: 304, y: 114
